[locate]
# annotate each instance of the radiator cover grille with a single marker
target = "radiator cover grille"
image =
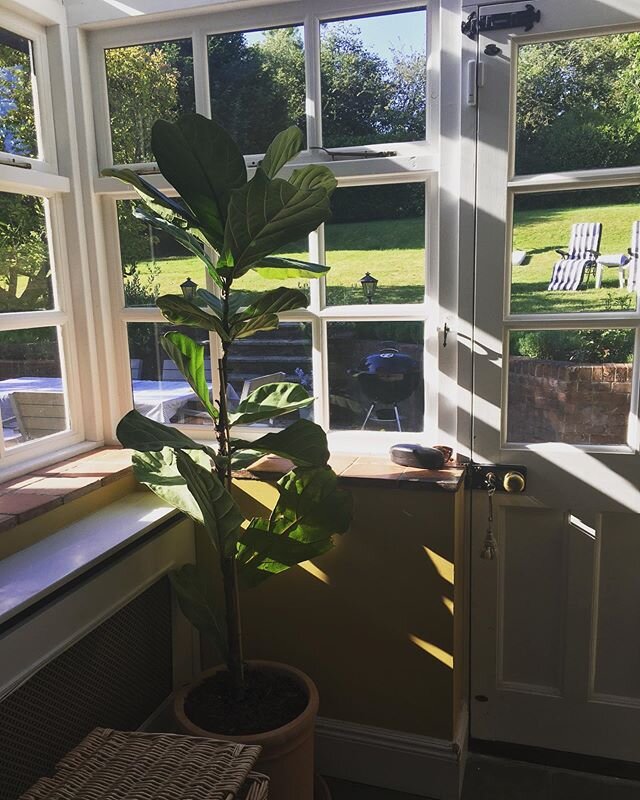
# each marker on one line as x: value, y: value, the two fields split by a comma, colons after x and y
x: 114, y: 677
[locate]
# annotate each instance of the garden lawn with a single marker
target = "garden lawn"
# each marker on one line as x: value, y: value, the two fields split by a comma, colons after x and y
x: 393, y: 252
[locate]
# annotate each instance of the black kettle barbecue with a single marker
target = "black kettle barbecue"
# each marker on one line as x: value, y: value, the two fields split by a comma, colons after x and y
x: 386, y: 378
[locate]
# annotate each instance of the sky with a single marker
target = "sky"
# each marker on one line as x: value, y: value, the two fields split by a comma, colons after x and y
x: 383, y: 34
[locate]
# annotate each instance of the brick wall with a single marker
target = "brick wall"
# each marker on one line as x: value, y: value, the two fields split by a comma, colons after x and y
x: 560, y: 401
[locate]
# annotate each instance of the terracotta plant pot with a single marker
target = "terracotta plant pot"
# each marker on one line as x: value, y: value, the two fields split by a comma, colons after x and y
x: 287, y: 752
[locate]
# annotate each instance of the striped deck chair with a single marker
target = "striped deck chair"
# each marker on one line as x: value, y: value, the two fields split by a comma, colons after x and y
x: 633, y: 279
x: 580, y: 258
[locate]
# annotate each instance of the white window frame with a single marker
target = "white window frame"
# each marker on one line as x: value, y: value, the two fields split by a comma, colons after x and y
x: 42, y: 179
x: 413, y: 162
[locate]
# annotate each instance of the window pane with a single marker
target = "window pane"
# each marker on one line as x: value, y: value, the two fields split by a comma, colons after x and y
x: 25, y: 265
x: 257, y: 84
x: 159, y: 390
x: 577, y: 104
x: 269, y: 356
x: 251, y: 285
x: 543, y: 281
x: 153, y: 263
x: 376, y: 375
x: 380, y: 230
x: 146, y: 82
x: 373, y: 72
x: 31, y: 388
x: 570, y: 386
x: 17, y: 115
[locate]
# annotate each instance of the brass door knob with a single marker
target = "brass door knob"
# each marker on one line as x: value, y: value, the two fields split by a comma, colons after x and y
x: 513, y: 482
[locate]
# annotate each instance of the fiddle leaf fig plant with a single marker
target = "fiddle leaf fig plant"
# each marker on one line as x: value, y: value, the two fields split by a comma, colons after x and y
x: 243, y: 222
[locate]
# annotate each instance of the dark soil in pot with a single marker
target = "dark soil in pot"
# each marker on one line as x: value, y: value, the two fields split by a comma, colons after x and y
x: 271, y: 700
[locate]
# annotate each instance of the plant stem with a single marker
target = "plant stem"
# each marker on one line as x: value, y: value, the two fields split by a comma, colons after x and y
x: 235, y: 658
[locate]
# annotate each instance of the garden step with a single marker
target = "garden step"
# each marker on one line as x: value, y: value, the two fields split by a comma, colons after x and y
x: 267, y: 358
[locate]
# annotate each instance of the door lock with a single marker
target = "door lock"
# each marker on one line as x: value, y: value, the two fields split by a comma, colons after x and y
x: 510, y: 478
x: 514, y: 482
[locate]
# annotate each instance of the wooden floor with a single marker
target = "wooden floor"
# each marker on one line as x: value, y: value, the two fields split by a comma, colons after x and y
x: 489, y: 778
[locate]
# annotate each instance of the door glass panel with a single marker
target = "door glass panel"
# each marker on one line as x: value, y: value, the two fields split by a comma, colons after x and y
x: 257, y: 84
x: 379, y: 230
x: 373, y: 72
x: 577, y: 104
x: 376, y: 375
x: 153, y: 263
x: 604, y: 280
x: 32, y: 403
x: 17, y: 113
x: 146, y: 82
x: 25, y: 263
x: 570, y: 386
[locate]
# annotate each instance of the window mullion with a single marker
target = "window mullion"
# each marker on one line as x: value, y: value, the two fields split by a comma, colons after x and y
x: 312, y: 78
x: 201, y: 72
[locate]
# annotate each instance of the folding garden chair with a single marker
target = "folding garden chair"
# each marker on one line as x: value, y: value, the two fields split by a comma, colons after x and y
x: 634, y: 258
x: 579, y: 261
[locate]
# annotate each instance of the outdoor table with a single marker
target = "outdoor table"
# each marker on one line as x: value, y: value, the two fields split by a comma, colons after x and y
x: 158, y: 400
x: 619, y: 260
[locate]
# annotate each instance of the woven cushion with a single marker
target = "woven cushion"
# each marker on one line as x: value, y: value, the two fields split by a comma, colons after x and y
x: 114, y: 765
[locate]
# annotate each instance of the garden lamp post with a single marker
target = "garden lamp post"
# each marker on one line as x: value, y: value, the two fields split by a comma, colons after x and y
x: 369, y: 285
x: 189, y: 289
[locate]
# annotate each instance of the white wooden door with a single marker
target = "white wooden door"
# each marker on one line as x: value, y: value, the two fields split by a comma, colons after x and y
x: 555, y: 628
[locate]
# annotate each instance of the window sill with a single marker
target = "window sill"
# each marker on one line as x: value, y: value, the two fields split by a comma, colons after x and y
x: 375, y: 471
x: 25, y: 498
x: 28, y: 497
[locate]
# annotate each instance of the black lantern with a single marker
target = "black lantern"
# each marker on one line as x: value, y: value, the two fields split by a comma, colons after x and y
x: 189, y: 289
x: 369, y: 285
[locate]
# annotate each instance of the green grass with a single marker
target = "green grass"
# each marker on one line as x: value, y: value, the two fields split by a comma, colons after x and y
x: 393, y: 251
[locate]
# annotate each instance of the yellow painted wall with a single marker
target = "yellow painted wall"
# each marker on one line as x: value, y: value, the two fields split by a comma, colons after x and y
x: 371, y: 621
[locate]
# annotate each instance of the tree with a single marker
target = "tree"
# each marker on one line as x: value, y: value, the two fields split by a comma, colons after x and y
x: 143, y: 84
x: 24, y: 254
x: 355, y: 90
x: 17, y: 119
x: 577, y: 104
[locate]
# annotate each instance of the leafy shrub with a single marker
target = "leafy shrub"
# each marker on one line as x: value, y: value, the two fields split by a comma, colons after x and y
x: 585, y: 346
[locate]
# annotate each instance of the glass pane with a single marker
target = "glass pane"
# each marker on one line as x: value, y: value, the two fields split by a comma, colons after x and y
x: 570, y: 386
x: 17, y: 115
x: 376, y: 375
x: 577, y: 104
x: 251, y: 284
x: 257, y: 84
x: 373, y: 72
x: 146, y: 82
x: 25, y: 265
x: 31, y: 390
x: 153, y: 263
x: 380, y: 230
x: 280, y: 355
x: 160, y: 392
x: 594, y: 229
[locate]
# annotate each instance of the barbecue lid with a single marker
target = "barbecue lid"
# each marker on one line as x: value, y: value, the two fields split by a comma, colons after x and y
x: 388, y: 361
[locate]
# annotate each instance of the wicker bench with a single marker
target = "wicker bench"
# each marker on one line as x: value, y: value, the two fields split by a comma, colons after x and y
x: 110, y: 765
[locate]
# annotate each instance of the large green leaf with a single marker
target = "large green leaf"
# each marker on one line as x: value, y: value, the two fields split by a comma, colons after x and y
x: 220, y: 514
x: 286, y: 145
x: 310, y: 509
x: 199, y: 159
x: 183, y: 237
x: 278, y: 268
x: 304, y: 443
x: 263, y: 313
x: 159, y: 471
x: 214, y: 303
x: 181, y: 311
x: 269, y: 401
x: 141, y: 433
x: 313, y: 176
x: 199, y: 605
x: 189, y: 358
x: 168, y: 208
x: 265, y: 215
